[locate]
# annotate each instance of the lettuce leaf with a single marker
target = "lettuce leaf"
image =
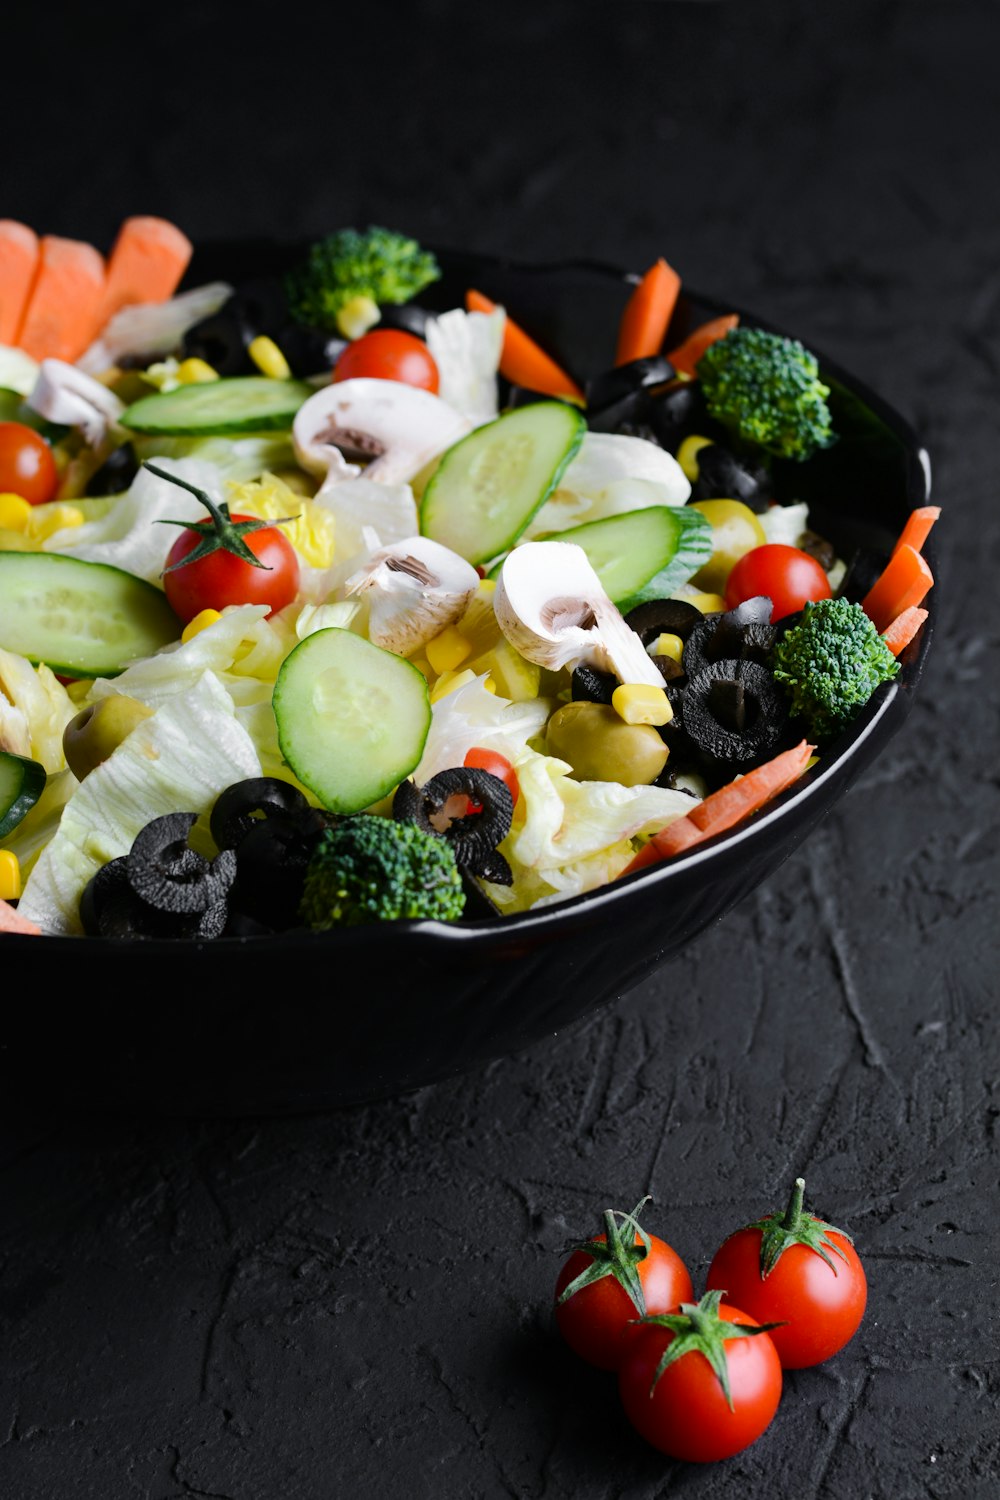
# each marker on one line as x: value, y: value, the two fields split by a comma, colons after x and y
x: 466, y: 349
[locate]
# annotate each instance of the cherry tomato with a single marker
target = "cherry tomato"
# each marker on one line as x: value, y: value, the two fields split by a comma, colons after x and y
x: 821, y: 1301
x: 687, y: 1415
x: 389, y: 354
x: 220, y: 579
x: 27, y: 467
x: 790, y: 578
x: 594, y: 1319
x: 497, y: 765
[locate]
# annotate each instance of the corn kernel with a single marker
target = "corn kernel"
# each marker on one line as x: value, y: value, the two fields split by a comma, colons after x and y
x: 268, y: 358
x: 195, y: 372
x: 10, y: 876
x: 200, y: 622
x: 709, y: 604
x: 687, y: 455
x: 356, y: 316
x: 668, y: 645
x: 15, y: 512
x: 46, y: 520
x: 448, y: 682
x: 638, y: 704
x: 448, y: 650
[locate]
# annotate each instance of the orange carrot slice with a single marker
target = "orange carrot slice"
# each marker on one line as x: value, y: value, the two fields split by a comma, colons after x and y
x: 521, y: 360
x: 64, y: 305
x: 914, y: 533
x: 903, y: 628
x: 147, y: 261
x: 647, y: 313
x: 726, y: 807
x: 11, y: 922
x: 18, y: 263
x: 904, y: 582
x: 686, y: 356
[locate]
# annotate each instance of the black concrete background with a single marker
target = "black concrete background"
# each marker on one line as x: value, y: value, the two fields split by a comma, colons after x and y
x: 359, y: 1305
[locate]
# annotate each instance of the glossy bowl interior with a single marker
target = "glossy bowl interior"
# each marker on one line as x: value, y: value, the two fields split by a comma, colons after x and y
x: 312, y: 1021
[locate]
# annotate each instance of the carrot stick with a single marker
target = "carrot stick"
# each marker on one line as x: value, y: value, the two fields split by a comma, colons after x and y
x: 147, y: 261
x: 904, y: 582
x: 18, y: 263
x: 64, y: 304
x: 726, y: 807
x: 522, y: 362
x: 903, y: 628
x: 686, y: 356
x: 10, y: 921
x: 914, y: 533
x: 647, y: 313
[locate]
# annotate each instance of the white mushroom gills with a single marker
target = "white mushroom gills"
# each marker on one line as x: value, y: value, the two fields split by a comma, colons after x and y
x: 64, y: 394
x: 395, y: 429
x: 415, y: 589
x: 551, y: 606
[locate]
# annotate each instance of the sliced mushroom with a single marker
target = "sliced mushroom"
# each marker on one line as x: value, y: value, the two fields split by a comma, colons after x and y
x: 395, y: 428
x: 550, y: 605
x: 416, y: 588
x: 64, y: 394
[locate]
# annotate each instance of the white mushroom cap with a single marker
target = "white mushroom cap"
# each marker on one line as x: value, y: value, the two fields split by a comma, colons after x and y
x: 415, y: 588
x: 550, y: 605
x: 398, y: 427
x: 64, y: 394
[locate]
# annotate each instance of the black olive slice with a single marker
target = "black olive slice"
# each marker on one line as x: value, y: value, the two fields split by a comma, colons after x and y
x: 309, y: 351
x: 590, y: 686
x: 221, y: 340
x: 676, y: 411
x: 494, y: 868
x: 116, y: 472
x: 110, y: 879
x: 621, y: 381
x: 722, y: 475
x: 271, y: 869
x: 723, y: 692
x: 670, y: 669
x: 405, y: 315
x: 246, y: 803
x: 663, y: 617
x: 743, y: 634
x: 475, y: 836
x: 167, y: 875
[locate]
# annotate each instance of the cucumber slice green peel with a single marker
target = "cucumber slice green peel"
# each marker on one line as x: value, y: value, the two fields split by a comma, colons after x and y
x: 82, y: 619
x: 644, y: 554
x: 244, y: 403
x: 489, y: 485
x: 352, y: 719
x: 22, y: 782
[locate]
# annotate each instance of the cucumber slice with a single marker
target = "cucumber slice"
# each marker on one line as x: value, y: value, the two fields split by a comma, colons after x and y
x: 352, y: 718
x: 248, y: 403
x: 83, y: 619
x: 489, y: 485
x: 22, y: 782
x: 644, y: 554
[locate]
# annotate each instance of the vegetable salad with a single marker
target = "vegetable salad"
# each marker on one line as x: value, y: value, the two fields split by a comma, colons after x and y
x: 318, y: 608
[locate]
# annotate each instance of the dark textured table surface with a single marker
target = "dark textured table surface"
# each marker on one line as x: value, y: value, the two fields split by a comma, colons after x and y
x: 359, y: 1304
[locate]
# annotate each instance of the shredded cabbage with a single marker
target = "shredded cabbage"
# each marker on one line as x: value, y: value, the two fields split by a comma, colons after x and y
x: 466, y: 349
x: 34, y: 710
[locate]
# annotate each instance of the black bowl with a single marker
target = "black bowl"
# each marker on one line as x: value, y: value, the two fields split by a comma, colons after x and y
x: 305, y: 1022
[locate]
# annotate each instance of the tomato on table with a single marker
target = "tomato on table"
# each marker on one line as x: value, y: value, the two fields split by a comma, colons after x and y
x: 613, y: 1279
x: 801, y: 1271
x: 227, y: 560
x: 480, y: 759
x: 27, y: 467
x: 700, y: 1384
x: 389, y: 354
x: 789, y: 577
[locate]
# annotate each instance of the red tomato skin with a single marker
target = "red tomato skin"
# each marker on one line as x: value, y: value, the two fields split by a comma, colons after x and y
x: 27, y: 467
x: 687, y: 1415
x: 497, y: 765
x: 221, y: 579
x: 821, y: 1311
x: 389, y: 354
x: 595, y: 1320
x: 789, y: 577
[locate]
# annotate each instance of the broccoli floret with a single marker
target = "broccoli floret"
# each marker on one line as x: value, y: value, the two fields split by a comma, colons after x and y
x: 831, y: 663
x: 377, y: 263
x: 766, y: 389
x: 371, y: 869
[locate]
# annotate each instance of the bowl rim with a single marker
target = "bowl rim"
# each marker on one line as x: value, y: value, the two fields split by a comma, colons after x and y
x: 572, y: 909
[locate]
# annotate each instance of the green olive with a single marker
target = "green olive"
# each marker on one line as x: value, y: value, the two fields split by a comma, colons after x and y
x: 602, y: 747
x: 735, y: 531
x: 98, y: 730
